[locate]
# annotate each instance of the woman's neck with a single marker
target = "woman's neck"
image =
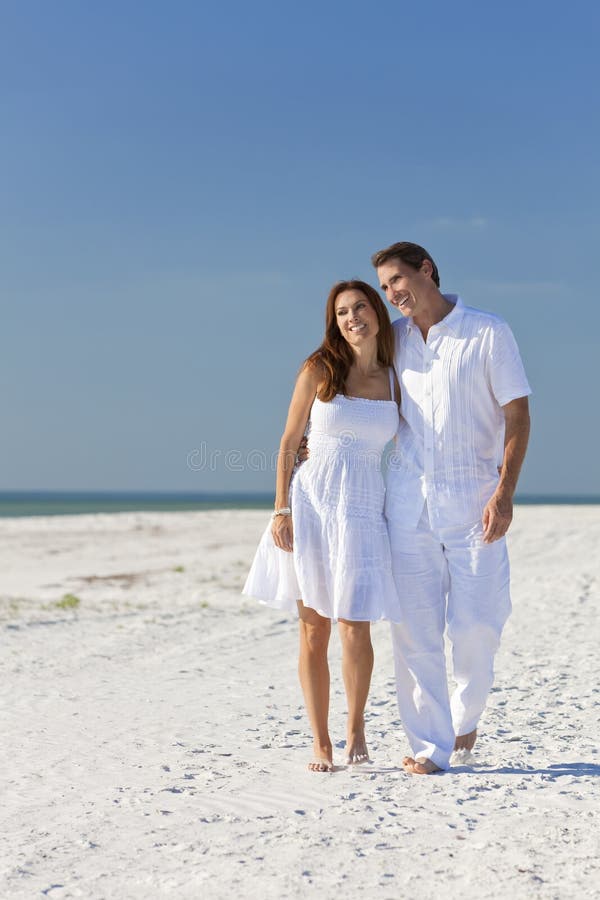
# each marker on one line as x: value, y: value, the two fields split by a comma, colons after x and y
x: 365, y: 359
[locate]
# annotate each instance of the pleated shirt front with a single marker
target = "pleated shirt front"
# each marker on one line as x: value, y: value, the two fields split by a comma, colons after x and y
x: 450, y: 441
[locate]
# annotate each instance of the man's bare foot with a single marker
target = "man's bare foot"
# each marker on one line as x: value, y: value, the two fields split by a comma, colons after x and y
x: 466, y: 741
x: 323, y: 759
x: 462, y: 758
x: 356, y: 749
x: 419, y: 766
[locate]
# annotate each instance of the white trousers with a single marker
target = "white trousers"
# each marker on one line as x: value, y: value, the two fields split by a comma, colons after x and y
x: 446, y: 576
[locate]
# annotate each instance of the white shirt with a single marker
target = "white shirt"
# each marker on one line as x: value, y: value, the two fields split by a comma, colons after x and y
x: 451, y: 436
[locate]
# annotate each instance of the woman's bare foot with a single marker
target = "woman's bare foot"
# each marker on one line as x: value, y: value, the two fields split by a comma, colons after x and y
x: 419, y: 766
x: 356, y: 749
x: 323, y: 759
x: 466, y: 741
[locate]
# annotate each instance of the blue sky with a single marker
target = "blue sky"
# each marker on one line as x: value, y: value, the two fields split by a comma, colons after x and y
x: 182, y: 182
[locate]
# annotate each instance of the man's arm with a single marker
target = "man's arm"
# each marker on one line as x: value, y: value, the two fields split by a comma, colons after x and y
x: 498, y: 512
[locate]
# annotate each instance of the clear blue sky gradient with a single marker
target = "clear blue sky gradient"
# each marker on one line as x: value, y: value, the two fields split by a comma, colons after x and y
x: 182, y: 182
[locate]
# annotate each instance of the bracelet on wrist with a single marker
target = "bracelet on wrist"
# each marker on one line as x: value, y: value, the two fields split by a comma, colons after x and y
x: 284, y: 511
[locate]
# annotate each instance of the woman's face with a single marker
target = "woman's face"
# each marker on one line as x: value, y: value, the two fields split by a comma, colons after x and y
x: 355, y: 317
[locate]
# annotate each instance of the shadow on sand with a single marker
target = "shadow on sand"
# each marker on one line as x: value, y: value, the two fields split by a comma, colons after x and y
x: 557, y: 770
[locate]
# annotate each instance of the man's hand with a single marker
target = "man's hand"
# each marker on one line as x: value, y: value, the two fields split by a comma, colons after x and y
x: 498, y: 512
x: 303, y: 451
x: 497, y: 516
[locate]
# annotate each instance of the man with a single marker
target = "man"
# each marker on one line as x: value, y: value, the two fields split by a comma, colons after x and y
x: 459, y: 451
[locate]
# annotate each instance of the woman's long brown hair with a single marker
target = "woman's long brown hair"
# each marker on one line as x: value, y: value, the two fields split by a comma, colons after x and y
x: 334, y: 357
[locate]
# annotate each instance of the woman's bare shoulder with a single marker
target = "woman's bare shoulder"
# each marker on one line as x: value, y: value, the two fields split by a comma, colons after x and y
x: 313, y: 369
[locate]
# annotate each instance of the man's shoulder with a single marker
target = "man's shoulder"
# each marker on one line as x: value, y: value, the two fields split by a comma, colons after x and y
x: 482, y: 317
x: 400, y: 327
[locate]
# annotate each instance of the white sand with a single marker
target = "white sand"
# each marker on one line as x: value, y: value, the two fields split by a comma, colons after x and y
x: 154, y: 741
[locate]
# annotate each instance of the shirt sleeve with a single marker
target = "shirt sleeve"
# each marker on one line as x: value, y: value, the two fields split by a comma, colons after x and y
x: 507, y: 373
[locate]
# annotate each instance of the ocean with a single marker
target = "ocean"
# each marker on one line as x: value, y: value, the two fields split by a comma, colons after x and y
x: 69, y: 503
x: 63, y: 503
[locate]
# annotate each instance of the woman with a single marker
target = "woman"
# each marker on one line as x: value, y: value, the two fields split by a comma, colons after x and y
x: 326, y: 551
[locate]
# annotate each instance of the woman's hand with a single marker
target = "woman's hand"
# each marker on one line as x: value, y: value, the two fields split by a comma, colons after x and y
x: 282, y: 530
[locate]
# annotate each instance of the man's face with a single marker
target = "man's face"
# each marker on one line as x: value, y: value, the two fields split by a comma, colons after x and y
x: 404, y: 286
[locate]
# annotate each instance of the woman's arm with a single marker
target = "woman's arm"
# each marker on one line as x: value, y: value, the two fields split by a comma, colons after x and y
x: 298, y: 413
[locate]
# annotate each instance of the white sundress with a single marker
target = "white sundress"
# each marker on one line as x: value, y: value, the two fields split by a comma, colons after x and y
x: 341, y: 563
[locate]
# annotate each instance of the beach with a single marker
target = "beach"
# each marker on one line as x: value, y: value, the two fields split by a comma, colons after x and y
x: 155, y: 742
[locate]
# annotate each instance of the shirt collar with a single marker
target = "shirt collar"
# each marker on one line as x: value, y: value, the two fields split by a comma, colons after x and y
x: 452, y: 320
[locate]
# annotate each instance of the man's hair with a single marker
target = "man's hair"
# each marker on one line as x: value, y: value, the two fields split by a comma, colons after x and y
x: 411, y: 254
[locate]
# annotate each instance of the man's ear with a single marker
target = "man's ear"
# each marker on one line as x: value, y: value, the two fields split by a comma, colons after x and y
x: 426, y: 268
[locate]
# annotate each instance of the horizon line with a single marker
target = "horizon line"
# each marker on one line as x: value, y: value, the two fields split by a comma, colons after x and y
x: 179, y: 492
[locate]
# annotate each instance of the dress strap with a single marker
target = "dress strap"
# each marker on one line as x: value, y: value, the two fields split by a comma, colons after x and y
x: 392, y: 385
